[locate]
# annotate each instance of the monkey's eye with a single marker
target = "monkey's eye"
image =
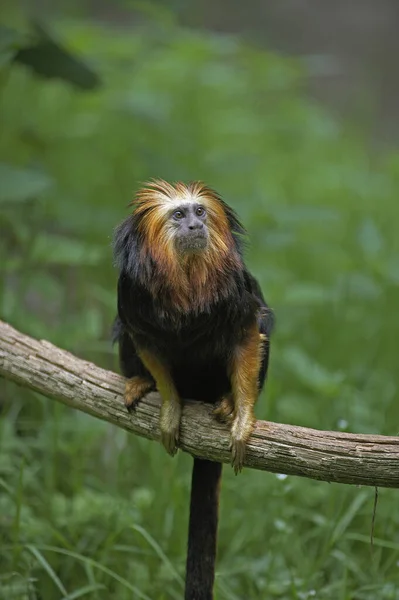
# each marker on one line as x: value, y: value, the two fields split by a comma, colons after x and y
x: 178, y: 215
x: 200, y: 211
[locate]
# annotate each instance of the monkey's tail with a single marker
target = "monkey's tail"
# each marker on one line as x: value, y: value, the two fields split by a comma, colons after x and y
x: 202, y: 529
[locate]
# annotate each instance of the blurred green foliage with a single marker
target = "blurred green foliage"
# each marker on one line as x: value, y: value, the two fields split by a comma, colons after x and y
x: 87, y: 511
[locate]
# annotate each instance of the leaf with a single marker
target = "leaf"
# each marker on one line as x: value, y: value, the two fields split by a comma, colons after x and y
x: 311, y: 373
x: 56, y: 249
x: 47, y: 567
x: 345, y: 520
x: 22, y: 184
x: 51, y: 60
x: 89, y: 561
x: 307, y: 294
x: 157, y: 548
x: 84, y: 591
x: 390, y: 269
x: 305, y: 215
x: 370, y: 239
x: 10, y: 41
x: 363, y: 286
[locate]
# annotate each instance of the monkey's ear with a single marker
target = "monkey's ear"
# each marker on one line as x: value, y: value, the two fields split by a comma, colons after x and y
x: 237, y: 229
x: 126, y: 245
x: 268, y: 321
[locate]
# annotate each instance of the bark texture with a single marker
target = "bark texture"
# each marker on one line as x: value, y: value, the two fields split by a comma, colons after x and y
x: 323, y: 455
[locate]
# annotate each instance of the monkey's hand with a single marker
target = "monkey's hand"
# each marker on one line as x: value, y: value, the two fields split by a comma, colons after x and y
x: 241, y: 430
x: 135, y: 389
x: 169, y: 424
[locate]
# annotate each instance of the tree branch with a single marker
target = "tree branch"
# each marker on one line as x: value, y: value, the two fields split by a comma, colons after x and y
x: 324, y: 455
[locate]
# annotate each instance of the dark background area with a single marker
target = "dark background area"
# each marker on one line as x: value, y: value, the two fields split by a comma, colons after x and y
x: 349, y: 49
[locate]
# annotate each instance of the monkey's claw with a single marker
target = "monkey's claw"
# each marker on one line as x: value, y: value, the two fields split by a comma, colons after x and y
x: 131, y: 403
x: 170, y: 440
x: 237, y: 448
x: 169, y: 425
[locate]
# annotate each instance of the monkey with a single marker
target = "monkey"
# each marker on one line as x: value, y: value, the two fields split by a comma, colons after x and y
x: 192, y: 323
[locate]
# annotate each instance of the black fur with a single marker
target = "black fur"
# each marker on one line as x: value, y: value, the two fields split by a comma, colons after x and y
x: 196, y: 346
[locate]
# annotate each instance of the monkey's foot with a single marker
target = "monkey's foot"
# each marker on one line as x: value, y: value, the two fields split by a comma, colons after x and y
x: 169, y: 425
x: 240, y: 433
x: 223, y: 411
x: 135, y: 389
x: 237, y: 448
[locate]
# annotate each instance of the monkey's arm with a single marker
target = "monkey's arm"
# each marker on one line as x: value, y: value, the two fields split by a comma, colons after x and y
x: 244, y: 369
x: 139, y: 381
x: 144, y: 367
x: 247, y: 371
x: 171, y: 404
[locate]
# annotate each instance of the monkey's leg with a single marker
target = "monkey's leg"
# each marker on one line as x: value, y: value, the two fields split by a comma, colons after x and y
x: 245, y: 365
x: 171, y: 404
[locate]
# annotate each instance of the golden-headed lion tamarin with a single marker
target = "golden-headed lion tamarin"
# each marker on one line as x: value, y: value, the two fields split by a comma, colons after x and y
x: 192, y: 323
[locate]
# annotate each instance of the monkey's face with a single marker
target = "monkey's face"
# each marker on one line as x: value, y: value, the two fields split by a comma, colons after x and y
x: 188, y: 226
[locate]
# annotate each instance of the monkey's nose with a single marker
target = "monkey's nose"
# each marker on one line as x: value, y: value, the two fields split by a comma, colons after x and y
x: 197, y: 225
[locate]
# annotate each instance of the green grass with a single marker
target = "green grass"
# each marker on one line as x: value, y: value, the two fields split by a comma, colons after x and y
x: 87, y: 511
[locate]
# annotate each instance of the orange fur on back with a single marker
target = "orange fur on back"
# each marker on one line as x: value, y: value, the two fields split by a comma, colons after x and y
x: 196, y: 281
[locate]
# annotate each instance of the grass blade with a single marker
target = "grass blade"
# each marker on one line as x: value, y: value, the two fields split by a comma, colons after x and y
x: 47, y: 567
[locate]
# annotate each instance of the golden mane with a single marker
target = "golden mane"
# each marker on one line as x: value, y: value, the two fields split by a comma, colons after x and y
x: 196, y: 281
